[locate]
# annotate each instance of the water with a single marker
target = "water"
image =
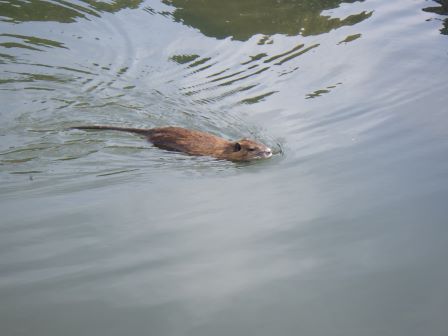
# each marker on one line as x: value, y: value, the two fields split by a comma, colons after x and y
x: 343, y: 233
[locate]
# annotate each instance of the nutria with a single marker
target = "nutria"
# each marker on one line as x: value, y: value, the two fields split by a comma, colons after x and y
x: 196, y: 143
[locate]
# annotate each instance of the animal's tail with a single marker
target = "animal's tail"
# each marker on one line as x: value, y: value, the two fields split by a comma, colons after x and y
x: 143, y: 131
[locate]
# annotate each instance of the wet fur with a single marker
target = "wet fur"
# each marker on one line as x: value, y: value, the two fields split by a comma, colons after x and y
x: 195, y: 142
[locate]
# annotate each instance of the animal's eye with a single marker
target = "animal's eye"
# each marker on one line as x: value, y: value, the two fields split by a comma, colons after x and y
x: 251, y: 149
x: 237, y: 147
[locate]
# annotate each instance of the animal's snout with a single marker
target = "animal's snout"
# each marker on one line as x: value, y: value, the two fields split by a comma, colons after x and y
x: 267, y: 153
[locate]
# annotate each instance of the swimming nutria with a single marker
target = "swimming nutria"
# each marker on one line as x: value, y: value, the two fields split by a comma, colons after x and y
x: 196, y: 143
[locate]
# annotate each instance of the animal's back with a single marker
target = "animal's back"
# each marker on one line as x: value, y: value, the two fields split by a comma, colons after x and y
x: 186, y: 140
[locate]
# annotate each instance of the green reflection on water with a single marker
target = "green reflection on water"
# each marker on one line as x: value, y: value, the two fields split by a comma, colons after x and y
x: 350, y: 38
x: 243, y: 19
x: 183, y: 59
x: 59, y: 11
x: 36, y: 10
x: 30, y: 40
x: 441, y: 10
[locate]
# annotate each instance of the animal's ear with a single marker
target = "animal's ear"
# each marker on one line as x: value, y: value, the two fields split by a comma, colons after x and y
x: 237, y: 147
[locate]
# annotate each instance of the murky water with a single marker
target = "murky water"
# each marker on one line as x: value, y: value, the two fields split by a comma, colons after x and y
x: 343, y: 232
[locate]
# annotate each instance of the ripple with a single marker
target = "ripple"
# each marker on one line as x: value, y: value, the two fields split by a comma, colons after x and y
x: 227, y: 76
x: 117, y: 69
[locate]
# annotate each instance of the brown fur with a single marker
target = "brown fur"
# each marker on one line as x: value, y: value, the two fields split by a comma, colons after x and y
x: 196, y: 143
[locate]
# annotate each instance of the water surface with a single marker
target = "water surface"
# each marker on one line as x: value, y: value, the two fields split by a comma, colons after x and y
x: 343, y: 233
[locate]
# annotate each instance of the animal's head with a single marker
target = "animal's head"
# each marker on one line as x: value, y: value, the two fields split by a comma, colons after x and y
x: 248, y: 150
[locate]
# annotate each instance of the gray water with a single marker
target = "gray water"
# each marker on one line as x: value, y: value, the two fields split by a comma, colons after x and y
x: 343, y: 232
